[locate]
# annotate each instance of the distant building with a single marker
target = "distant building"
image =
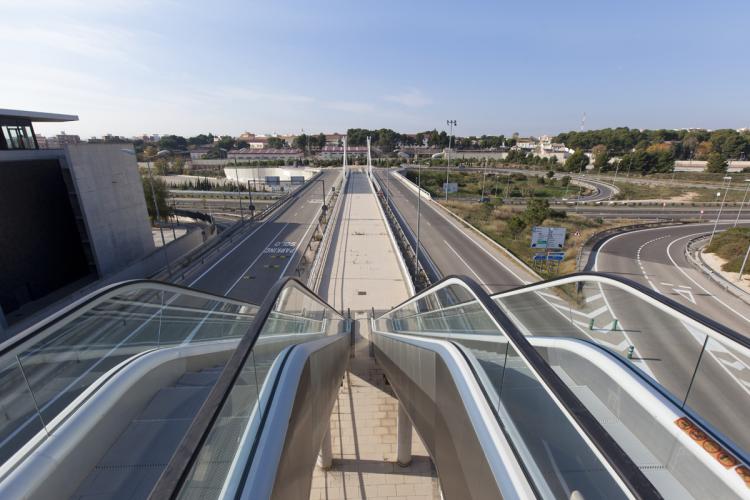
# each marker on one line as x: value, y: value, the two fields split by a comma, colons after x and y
x: 199, y: 152
x: 255, y: 154
x: 68, y: 215
x: 334, y: 139
x: 336, y: 152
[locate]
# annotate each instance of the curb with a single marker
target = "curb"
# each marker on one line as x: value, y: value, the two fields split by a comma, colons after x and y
x: 697, y: 262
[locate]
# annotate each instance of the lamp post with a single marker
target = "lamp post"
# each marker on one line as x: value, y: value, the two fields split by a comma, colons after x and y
x: 419, y: 218
x: 721, y: 207
x: 237, y: 177
x: 742, y: 205
x: 614, y: 180
x: 744, y: 261
x: 450, y: 123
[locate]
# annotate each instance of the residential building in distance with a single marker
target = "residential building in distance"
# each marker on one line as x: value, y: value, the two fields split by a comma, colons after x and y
x: 337, y: 152
x: 256, y: 154
x: 199, y: 152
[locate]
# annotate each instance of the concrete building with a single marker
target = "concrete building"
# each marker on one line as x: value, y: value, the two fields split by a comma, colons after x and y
x: 68, y: 215
x: 263, y: 154
x: 337, y: 152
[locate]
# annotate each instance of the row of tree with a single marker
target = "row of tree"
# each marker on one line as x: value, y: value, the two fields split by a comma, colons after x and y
x: 683, y: 144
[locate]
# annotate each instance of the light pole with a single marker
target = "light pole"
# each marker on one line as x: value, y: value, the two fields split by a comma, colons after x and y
x: 450, y: 123
x: 237, y: 177
x: 744, y: 261
x: 419, y: 218
x: 743, y: 202
x: 612, y: 191
x: 721, y: 207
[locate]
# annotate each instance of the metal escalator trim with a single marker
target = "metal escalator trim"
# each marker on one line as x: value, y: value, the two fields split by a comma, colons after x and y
x: 657, y: 299
x: 180, y: 464
x: 91, y: 300
x: 614, y: 456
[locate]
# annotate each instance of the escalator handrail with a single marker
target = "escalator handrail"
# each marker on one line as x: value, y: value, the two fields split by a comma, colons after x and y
x: 179, y: 466
x: 618, y: 460
x: 99, y: 295
x: 713, y: 326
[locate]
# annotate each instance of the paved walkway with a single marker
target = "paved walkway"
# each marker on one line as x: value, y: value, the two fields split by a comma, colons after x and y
x: 363, y: 271
x: 363, y: 422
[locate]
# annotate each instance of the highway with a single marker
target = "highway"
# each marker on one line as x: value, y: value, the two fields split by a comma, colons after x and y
x: 665, y: 349
x: 269, y: 250
x: 656, y: 258
x: 445, y: 247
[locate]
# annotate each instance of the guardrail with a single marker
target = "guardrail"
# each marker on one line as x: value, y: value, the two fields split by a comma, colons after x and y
x: 323, y: 223
x: 185, y: 266
x: 321, y: 253
x: 694, y: 255
x: 419, y: 276
x: 587, y: 252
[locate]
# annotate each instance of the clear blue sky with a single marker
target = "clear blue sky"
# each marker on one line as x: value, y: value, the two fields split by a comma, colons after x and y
x: 133, y: 66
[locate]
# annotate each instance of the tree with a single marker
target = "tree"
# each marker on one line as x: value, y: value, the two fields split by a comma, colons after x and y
x: 276, y: 143
x: 601, y: 156
x: 515, y: 225
x: 537, y: 211
x: 301, y: 142
x: 160, y: 166
x: 577, y: 161
x: 161, y: 191
x: 550, y: 174
x: 565, y: 181
x: 201, y: 139
x: 178, y: 165
x: 716, y: 163
x: 173, y: 142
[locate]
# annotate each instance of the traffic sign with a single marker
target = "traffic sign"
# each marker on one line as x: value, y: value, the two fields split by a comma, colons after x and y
x: 547, y: 237
x: 557, y: 256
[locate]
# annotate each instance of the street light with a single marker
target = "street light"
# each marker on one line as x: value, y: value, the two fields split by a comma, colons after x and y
x: 743, y: 202
x: 721, y: 207
x: 419, y: 218
x: 237, y: 177
x: 450, y: 123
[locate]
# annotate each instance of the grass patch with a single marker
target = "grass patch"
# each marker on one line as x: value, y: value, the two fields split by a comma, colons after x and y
x: 493, y: 220
x: 638, y: 191
x: 731, y: 245
x: 497, y: 185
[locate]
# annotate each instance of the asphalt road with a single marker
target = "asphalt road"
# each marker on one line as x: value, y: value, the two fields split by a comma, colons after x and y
x: 269, y: 251
x: 664, y: 348
x: 445, y: 248
x: 656, y: 258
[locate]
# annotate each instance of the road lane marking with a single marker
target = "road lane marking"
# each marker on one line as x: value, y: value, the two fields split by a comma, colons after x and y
x: 685, y: 293
x: 467, y: 266
x: 669, y: 255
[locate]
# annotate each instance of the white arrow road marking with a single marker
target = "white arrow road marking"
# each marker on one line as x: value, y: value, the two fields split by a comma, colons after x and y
x: 687, y: 294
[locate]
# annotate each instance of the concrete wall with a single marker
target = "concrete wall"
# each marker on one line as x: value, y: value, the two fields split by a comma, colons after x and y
x: 260, y: 173
x: 114, y: 208
x: 700, y: 165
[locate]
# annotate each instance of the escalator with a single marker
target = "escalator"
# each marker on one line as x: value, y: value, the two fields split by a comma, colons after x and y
x: 585, y: 412
x: 564, y: 389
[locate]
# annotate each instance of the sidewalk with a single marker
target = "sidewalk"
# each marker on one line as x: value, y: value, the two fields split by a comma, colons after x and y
x: 361, y: 273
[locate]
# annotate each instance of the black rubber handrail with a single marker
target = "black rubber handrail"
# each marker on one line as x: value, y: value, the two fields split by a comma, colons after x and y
x: 615, y: 456
x: 34, y: 330
x: 672, y: 304
x: 175, y: 473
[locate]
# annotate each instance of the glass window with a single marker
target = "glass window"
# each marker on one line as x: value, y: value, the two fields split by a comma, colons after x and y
x: 18, y: 137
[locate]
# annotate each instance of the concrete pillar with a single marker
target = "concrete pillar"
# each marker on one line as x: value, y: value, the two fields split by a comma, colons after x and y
x: 325, y: 459
x: 403, y: 439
